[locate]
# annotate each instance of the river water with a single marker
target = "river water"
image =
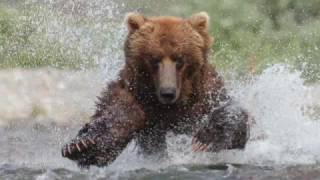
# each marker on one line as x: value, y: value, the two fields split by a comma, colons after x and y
x: 284, y: 141
x: 40, y: 110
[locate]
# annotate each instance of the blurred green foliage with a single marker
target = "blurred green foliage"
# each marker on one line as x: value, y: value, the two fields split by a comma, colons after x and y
x: 23, y: 42
x: 249, y: 35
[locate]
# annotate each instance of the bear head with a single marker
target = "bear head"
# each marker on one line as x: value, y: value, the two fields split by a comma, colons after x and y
x: 168, y: 53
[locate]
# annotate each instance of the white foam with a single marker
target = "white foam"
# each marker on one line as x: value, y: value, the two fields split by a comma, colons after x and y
x: 283, y: 131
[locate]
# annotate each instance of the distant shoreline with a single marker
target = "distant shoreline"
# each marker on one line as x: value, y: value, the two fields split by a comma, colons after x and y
x: 48, y: 94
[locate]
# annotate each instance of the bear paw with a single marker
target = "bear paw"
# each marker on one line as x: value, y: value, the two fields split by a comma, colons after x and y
x: 76, y: 147
x: 210, y: 139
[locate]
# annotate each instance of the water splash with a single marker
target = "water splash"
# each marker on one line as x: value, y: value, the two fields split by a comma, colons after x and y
x: 68, y: 34
x: 283, y: 132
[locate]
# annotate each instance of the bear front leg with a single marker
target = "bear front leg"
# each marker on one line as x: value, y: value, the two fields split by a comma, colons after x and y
x: 227, y: 128
x: 117, y: 119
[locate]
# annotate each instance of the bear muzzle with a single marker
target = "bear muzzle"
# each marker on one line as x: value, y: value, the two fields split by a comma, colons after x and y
x: 168, y: 89
x: 167, y: 95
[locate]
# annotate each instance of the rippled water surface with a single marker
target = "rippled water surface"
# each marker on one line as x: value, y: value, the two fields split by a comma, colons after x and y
x: 176, y: 172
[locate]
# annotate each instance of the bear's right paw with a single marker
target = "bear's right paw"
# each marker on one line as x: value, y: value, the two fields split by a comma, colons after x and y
x: 77, y: 147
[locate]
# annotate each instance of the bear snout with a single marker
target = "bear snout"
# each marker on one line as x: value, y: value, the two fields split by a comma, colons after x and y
x: 167, y: 95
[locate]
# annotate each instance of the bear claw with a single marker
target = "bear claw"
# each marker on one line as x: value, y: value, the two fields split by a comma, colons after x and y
x: 78, y: 147
x: 69, y: 149
x: 84, y: 143
x: 92, y: 141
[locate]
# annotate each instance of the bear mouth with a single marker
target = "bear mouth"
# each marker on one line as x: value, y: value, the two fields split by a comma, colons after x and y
x: 166, y: 101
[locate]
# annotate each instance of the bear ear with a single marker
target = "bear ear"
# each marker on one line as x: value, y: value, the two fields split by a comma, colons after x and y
x: 199, y: 21
x: 134, y: 21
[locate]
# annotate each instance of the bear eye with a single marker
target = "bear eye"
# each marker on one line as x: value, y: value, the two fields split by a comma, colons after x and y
x: 155, y: 63
x: 179, y: 63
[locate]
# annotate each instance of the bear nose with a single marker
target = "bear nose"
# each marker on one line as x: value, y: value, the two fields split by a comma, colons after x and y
x: 168, y: 94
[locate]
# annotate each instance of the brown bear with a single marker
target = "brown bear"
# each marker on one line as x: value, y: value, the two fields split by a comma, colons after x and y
x: 167, y: 84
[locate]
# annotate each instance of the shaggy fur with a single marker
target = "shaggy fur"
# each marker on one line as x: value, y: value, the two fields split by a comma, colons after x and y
x: 162, y: 52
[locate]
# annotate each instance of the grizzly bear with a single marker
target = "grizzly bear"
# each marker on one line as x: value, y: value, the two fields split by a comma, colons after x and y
x: 166, y: 85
